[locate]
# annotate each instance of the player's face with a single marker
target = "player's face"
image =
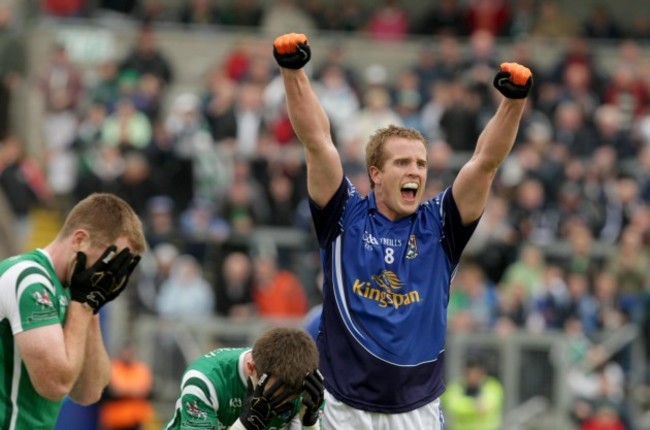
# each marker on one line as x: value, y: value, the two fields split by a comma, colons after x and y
x: 399, y: 185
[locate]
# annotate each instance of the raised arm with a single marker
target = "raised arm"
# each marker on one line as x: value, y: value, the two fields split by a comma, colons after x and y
x: 472, y: 185
x: 324, y: 169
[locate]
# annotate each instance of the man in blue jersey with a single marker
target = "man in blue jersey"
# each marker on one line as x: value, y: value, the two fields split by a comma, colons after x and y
x: 388, y: 258
x: 51, y: 344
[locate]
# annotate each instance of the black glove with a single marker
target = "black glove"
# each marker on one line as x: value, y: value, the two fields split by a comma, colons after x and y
x: 312, y: 397
x: 104, y: 280
x: 292, y: 51
x: 514, y: 81
x: 261, y: 406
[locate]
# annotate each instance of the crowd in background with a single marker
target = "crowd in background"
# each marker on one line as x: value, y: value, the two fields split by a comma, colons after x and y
x: 205, y: 168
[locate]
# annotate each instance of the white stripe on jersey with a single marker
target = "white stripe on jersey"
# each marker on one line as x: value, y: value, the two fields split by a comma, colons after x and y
x: 15, y: 383
x: 196, y: 392
x: 340, y: 297
x: 9, y: 297
x: 213, y: 392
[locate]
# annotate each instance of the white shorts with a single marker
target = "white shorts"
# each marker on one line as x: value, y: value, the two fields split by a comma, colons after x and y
x: 339, y: 416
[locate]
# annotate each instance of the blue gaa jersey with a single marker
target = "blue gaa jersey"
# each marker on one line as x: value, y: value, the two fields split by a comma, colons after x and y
x: 386, y: 288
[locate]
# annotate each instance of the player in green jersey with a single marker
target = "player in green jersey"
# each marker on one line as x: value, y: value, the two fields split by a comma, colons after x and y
x: 50, y: 339
x: 275, y: 385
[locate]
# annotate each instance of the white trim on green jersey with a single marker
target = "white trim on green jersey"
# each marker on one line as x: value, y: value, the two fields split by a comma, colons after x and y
x: 31, y: 296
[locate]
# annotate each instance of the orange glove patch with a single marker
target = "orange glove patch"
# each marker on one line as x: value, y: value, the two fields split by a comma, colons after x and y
x: 288, y: 43
x: 518, y: 74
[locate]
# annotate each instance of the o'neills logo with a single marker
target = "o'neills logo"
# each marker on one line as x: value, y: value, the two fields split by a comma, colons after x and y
x: 383, y: 289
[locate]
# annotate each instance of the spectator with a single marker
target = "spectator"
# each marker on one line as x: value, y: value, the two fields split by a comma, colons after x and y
x: 282, y: 14
x: 629, y: 263
x: 245, y: 205
x: 594, y: 382
x: 193, y: 143
x: 472, y: 301
x: 242, y: 13
x: 526, y: 271
x: 605, y: 417
x: 249, y: 112
x: 474, y: 402
x: 88, y: 146
x: 127, y: 128
x: 218, y: 107
x: 160, y: 223
x: 460, y: 120
x: 376, y: 111
x: 626, y: 91
x: 614, y: 309
x: 282, y: 200
x: 155, y: 270
x: 127, y: 399
x: 61, y: 86
x: 185, y: 295
x: 447, y: 17
x: 105, y: 88
x: 202, y: 229
x: 199, y: 12
x: 339, y: 99
x: 278, y: 293
x: 553, y: 22
x: 524, y: 14
x: 146, y: 57
x: 23, y: 183
x: 489, y: 16
x: 493, y: 243
x: 389, y: 22
x: 120, y: 6
x: 235, y: 287
x: 64, y: 8
x: 135, y: 184
x: 600, y: 24
x: 13, y: 67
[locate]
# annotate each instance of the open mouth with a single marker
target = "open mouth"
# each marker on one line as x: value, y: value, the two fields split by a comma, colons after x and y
x: 409, y: 190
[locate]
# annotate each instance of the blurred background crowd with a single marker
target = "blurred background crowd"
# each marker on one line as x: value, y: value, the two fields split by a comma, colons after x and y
x: 215, y: 171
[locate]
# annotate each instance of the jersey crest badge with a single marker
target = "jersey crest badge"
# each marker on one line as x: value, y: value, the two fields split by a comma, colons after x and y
x: 412, y: 248
x: 43, y: 299
x: 194, y: 411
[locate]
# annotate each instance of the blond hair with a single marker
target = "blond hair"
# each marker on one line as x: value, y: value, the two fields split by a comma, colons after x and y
x: 107, y: 218
x: 375, y: 147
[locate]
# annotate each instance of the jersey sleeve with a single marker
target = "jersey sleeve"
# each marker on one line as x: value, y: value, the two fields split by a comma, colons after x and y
x: 198, y: 405
x: 327, y: 220
x: 27, y: 300
x: 456, y: 235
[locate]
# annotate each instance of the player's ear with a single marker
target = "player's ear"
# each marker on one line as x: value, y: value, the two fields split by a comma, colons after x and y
x: 251, y: 370
x: 80, y: 240
x: 374, y: 174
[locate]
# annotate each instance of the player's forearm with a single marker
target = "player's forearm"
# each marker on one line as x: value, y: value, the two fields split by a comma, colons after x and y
x: 498, y: 137
x: 307, y: 116
x: 75, y: 336
x: 96, y: 370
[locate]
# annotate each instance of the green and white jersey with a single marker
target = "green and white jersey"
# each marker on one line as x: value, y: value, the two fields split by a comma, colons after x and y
x: 31, y: 296
x: 213, y: 391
